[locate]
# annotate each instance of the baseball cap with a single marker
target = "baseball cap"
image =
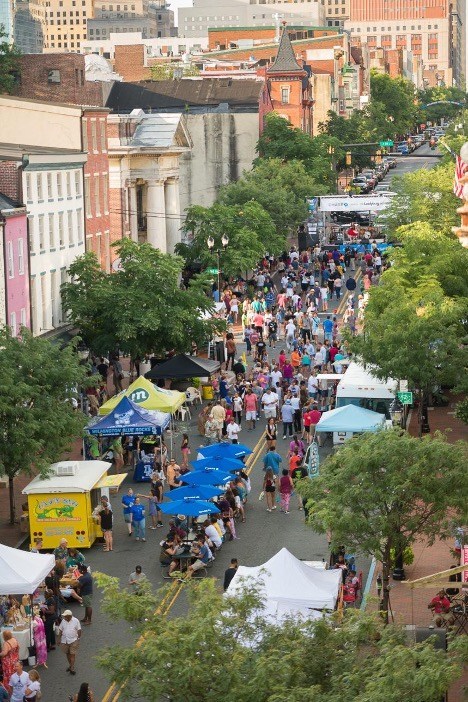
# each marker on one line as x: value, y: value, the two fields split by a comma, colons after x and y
x: 67, y: 613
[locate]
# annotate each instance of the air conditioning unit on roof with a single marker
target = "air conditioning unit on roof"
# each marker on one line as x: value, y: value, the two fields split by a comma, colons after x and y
x: 66, y: 468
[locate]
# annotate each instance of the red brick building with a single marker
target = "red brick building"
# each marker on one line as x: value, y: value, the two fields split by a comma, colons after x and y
x: 288, y: 86
x: 96, y: 183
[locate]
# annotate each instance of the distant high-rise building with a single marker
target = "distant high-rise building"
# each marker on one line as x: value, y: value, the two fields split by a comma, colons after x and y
x: 63, y: 23
x: 337, y: 12
x: 28, y: 33
x: 152, y: 19
x: 195, y: 21
x: 430, y: 29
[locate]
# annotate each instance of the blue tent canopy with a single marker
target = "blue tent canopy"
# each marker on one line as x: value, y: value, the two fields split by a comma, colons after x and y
x: 128, y: 419
x: 351, y: 419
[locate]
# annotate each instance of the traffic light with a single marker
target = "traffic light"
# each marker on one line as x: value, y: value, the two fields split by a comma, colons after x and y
x: 348, y: 158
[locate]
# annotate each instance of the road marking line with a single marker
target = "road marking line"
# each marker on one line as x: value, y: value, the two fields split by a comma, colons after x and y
x: 113, y: 692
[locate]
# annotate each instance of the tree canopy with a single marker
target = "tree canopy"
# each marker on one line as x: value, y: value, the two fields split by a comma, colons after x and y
x: 280, y: 188
x: 397, y: 95
x: 39, y: 381
x: 223, y: 648
x: 9, y: 64
x: 445, y: 96
x: 382, y: 491
x: 250, y: 229
x: 141, y: 308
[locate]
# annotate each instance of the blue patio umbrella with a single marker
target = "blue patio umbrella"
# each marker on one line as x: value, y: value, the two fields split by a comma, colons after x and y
x: 226, y: 464
x: 207, y: 477
x: 199, y: 492
x: 224, y: 450
x: 189, y: 507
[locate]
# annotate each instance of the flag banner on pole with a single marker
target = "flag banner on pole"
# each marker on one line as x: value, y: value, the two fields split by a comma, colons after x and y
x: 460, y: 170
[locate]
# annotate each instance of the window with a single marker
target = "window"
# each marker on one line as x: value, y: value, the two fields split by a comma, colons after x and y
x: 94, y: 135
x: 79, y: 226
x: 97, y: 198
x: 53, y: 296
x: 71, y: 236
x: 40, y: 226
x: 285, y: 95
x: 102, y: 129
x: 59, y: 185
x: 84, y: 134
x: 51, y: 232
x: 60, y: 229
x: 34, y: 322
x: 13, y: 323
x: 68, y: 182
x: 87, y: 197
x: 23, y: 317
x: 31, y: 228
x: 49, y: 186
x: 77, y: 183
x: 21, y: 256
x: 105, y: 192
x: 28, y: 187
x: 11, y: 262
x: 40, y: 194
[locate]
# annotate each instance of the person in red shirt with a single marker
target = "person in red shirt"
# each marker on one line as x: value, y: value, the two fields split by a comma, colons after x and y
x: 440, y: 606
x: 352, y: 231
x: 315, y: 415
x: 294, y: 461
x: 333, y: 350
x: 282, y: 360
x: 307, y: 420
x: 250, y: 406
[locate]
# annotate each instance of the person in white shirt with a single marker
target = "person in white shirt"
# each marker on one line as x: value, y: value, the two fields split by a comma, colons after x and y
x: 213, y: 534
x: 232, y: 431
x: 313, y: 386
x: 290, y: 334
x: 270, y: 402
x: 70, y: 634
x: 33, y: 686
x: 18, y: 682
x: 284, y: 281
x: 276, y: 377
x: 293, y: 254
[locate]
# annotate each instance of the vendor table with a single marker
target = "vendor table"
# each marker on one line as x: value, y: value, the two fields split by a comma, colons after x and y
x: 143, y: 470
x: 23, y: 638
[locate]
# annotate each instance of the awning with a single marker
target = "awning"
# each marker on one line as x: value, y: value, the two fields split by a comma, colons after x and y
x: 351, y: 419
x: 127, y: 419
x: 21, y: 572
x: 184, y: 366
x: 111, y: 481
x: 143, y: 393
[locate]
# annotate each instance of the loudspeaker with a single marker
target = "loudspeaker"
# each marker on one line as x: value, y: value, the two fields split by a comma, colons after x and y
x: 418, y: 634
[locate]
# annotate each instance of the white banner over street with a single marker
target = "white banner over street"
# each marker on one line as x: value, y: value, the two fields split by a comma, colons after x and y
x: 357, y: 203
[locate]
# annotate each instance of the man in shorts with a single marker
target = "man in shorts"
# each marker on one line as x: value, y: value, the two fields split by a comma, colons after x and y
x: 70, y: 634
x: 270, y: 404
x: 128, y: 501
x: 250, y: 406
x: 203, y: 555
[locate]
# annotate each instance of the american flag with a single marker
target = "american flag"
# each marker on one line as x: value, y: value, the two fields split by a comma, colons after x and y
x: 460, y: 169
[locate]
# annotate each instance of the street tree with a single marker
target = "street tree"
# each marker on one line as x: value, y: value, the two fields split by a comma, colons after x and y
x: 226, y: 649
x: 385, y: 490
x: 397, y: 95
x: 9, y: 62
x: 450, y: 102
x: 426, y: 195
x: 141, y: 308
x: 280, y: 188
x: 280, y: 139
x: 250, y: 229
x: 413, y: 333
x: 39, y: 382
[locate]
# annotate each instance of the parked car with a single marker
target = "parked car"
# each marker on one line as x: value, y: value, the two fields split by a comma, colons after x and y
x: 370, y: 177
x: 361, y: 184
x: 403, y: 148
x: 391, y: 160
x: 382, y: 188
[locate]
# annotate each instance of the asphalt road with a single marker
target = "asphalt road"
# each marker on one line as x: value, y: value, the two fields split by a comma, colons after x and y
x: 260, y: 537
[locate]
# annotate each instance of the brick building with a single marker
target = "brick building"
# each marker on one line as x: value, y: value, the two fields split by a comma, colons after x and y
x: 96, y: 183
x: 221, y: 38
x: 288, y: 86
x: 57, y: 78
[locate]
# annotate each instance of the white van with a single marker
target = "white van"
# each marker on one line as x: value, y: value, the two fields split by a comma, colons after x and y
x: 359, y: 387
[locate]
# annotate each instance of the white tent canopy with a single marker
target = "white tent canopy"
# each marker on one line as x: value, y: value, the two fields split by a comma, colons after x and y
x: 21, y: 572
x: 291, y: 586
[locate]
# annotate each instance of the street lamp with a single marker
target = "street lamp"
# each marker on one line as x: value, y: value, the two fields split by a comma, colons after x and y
x: 211, y: 245
x: 396, y: 411
x: 331, y: 153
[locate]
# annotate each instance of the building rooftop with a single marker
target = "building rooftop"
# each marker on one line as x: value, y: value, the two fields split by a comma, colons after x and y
x: 6, y: 203
x: 184, y: 93
x: 285, y: 61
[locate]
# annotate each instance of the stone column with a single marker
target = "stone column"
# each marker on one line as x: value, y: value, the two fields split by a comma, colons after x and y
x: 133, y: 211
x: 156, y: 215
x: 173, y: 221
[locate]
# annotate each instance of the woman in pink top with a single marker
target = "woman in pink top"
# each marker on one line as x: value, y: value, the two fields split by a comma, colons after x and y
x: 286, y: 487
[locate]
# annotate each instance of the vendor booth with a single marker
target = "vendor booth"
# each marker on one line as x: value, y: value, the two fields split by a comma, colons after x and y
x: 344, y: 422
x: 21, y: 573
x: 291, y: 587
x: 127, y: 419
x: 61, y: 506
x: 143, y: 393
x: 184, y: 366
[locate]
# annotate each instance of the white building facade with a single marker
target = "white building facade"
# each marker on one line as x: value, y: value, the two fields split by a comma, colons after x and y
x: 53, y: 193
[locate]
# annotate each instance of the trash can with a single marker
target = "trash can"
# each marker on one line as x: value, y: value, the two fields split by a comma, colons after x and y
x: 207, y: 392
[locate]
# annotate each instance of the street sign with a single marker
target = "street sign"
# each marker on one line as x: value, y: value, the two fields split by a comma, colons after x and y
x: 213, y: 271
x: 406, y: 398
x: 388, y: 142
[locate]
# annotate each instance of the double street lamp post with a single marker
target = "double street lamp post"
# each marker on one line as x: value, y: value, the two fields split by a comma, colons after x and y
x: 211, y: 245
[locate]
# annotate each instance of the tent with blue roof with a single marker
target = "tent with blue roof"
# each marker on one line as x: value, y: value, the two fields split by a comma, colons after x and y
x: 128, y: 419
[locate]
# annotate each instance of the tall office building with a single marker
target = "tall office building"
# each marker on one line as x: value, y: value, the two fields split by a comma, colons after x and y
x: 195, y: 21
x: 430, y: 29
x: 152, y: 19
x: 337, y: 12
x: 63, y: 23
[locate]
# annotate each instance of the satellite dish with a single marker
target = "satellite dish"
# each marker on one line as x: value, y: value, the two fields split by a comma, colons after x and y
x: 351, y: 284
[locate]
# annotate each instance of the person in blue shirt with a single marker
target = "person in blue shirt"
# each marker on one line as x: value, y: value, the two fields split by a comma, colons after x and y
x: 139, y: 521
x: 203, y: 555
x: 128, y: 501
x: 272, y: 460
x: 327, y: 328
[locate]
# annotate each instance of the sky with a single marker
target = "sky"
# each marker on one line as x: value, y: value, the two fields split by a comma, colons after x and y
x: 175, y: 4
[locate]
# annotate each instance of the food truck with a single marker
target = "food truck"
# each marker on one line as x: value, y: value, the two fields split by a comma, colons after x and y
x: 359, y: 387
x: 61, y: 505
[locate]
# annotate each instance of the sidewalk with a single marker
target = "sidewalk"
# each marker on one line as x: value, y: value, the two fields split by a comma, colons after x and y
x: 409, y: 606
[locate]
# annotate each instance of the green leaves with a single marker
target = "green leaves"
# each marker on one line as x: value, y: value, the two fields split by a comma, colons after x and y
x: 9, y: 64
x: 222, y: 648
x: 397, y: 95
x: 38, y: 379
x: 141, y: 308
